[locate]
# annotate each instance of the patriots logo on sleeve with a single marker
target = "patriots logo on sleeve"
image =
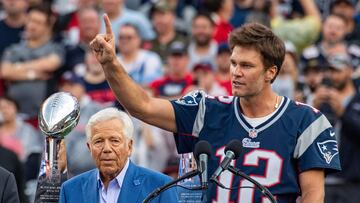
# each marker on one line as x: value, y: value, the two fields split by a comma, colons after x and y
x: 328, y: 149
x: 190, y: 98
x: 187, y: 100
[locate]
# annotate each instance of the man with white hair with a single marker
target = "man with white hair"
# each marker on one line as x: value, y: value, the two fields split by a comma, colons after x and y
x: 116, y: 179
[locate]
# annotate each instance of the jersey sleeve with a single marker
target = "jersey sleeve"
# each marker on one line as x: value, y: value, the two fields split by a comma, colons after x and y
x: 188, y: 110
x: 317, y: 146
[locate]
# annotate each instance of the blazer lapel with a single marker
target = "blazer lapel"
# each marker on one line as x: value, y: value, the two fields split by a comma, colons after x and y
x: 90, y: 191
x: 131, y: 187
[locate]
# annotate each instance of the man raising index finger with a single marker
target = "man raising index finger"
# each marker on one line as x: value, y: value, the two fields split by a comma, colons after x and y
x: 290, y: 144
x: 151, y: 110
x: 103, y: 45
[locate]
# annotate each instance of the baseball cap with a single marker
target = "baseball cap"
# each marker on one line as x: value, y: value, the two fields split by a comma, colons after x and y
x: 339, y: 61
x: 161, y: 6
x: 290, y: 47
x: 178, y: 48
x: 317, y: 64
x: 223, y: 47
x: 203, y: 66
x: 71, y: 77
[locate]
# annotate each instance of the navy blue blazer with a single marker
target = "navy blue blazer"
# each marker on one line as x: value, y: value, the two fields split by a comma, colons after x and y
x: 8, y: 189
x: 137, y: 184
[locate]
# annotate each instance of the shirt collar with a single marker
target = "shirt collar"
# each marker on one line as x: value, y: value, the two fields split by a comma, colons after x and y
x: 119, y: 178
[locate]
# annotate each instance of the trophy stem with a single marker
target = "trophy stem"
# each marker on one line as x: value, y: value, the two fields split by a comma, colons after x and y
x: 51, y: 159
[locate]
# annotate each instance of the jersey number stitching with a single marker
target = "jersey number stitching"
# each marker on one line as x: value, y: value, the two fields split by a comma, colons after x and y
x: 271, y: 177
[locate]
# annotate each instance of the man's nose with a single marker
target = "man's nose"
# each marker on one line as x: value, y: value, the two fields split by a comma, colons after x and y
x: 107, y: 146
x: 237, y: 71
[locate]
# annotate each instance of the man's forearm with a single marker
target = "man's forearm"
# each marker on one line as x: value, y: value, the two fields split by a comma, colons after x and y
x: 44, y: 64
x: 16, y: 72
x: 310, y: 8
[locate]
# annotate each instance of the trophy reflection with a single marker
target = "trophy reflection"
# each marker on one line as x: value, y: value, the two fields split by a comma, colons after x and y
x: 58, y: 115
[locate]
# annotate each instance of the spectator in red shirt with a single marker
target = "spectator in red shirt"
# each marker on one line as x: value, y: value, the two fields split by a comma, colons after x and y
x: 178, y: 78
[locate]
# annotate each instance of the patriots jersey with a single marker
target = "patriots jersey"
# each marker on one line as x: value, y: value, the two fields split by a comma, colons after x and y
x: 294, y: 139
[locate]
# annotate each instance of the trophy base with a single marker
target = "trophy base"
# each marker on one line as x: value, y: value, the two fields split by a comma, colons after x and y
x: 47, y: 192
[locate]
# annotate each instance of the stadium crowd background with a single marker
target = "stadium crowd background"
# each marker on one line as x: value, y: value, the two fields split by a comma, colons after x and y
x: 169, y: 47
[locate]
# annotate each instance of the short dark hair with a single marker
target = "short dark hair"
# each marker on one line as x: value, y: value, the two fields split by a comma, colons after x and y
x: 11, y: 100
x: 45, y: 8
x: 339, y: 2
x: 203, y: 14
x: 263, y: 40
x: 135, y: 27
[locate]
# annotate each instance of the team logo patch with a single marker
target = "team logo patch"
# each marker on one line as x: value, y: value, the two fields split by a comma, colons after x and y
x: 328, y: 149
x: 248, y: 143
x: 253, y: 133
x: 187, y: 100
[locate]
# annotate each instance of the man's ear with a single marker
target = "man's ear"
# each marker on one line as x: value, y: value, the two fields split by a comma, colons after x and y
x: 130, y: 146
x: 270, y: 73
x: 88, y: 146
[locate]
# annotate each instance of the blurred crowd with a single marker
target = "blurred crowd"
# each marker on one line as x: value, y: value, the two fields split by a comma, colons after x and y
x: 170, y: 47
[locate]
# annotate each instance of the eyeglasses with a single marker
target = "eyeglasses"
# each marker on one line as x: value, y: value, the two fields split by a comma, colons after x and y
x: 126, y: 37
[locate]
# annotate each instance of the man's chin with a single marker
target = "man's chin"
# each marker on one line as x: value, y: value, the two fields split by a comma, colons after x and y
x: 236, y: 93
x: 108, y: 170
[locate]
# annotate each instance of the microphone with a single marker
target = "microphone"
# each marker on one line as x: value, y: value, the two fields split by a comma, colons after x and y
x: 232, y: 151
x: 202, y: 151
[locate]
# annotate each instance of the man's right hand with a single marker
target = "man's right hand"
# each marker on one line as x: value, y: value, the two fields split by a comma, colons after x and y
x: 103, y: 45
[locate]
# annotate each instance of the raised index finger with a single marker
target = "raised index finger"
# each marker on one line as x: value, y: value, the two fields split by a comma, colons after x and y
x: 108, y: 25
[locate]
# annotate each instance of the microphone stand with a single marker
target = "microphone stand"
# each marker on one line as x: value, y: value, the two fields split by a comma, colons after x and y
x: 263, y: 189
x: 159, y: 190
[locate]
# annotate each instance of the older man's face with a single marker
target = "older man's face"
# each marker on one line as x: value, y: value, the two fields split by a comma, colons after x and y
x: 109, y: 147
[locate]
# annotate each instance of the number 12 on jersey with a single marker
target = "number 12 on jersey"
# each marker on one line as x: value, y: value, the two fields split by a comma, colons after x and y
x: 271, y: 177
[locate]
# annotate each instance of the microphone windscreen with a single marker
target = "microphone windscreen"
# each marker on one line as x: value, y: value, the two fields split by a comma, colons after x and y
x: 234, y: 146
x: 202, y: 147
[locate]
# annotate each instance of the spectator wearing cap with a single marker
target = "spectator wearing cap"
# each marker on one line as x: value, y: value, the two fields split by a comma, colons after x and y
x: 223, y: 67
x: 204, y: 75
x: 163, y: 19
x: 326, y: 97
x: 313, y: 74
x: 120, y: 15
x: 344, y: 101
x: 332, y: 42
x: 202, y: 47
x: 78, y: 157
x: 177, y: 78
x: 142, y: 65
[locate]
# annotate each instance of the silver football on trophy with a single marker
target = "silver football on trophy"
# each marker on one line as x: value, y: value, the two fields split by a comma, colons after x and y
x: 59, y: 114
